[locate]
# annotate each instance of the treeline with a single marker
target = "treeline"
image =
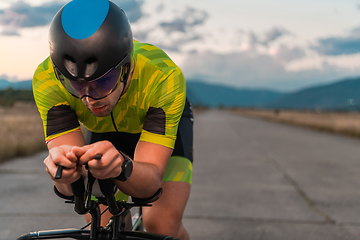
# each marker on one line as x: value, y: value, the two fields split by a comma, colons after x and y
x: 9, y: 96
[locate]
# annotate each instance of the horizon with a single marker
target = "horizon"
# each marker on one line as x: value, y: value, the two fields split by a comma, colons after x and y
x: 279, y: 45
x: 194, y: 80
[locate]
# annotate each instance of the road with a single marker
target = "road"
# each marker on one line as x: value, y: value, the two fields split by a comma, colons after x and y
x: 252, y: 180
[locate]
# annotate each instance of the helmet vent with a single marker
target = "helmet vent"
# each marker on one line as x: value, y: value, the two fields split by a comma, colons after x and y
x: 70, y: 65
x: 91, y: 66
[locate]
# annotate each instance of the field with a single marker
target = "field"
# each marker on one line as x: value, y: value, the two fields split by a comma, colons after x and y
x: 22, y: 134
x: 346, y: 123
x: 21, y: 131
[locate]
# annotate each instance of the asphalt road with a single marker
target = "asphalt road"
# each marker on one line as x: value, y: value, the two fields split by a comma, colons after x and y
x: 252, y: 180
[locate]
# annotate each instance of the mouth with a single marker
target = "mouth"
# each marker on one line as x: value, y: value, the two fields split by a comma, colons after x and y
x: 97, y: 109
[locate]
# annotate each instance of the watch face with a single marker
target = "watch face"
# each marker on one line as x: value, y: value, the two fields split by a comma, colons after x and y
x: 128, y: 168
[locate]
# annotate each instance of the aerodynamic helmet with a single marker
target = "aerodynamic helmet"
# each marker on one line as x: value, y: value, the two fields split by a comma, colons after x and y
x: 91, y: 47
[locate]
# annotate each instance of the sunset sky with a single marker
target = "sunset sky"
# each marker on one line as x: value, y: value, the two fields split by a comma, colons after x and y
x: 279, y: 44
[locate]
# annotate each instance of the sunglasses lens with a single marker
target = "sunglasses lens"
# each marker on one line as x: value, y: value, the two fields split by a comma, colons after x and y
x: 95, y: 89
x: 100, y: 87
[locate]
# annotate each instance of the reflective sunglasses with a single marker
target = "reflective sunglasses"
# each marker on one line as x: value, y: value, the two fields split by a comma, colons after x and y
x: 98, y: 88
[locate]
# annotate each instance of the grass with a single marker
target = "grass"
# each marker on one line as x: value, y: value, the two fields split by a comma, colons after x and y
x: 345, y: 123
x: 21, y: 131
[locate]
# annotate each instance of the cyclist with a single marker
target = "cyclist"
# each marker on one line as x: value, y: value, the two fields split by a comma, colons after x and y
x: 131, y: 99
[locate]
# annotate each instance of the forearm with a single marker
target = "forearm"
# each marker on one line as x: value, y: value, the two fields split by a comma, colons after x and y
x: 64, y: 188
x: 144, y: 181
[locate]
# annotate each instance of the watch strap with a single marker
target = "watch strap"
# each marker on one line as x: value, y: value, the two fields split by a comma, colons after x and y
x: 126, y: 168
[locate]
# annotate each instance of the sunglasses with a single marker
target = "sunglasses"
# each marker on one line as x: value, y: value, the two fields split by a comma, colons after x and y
x: 98, y: 88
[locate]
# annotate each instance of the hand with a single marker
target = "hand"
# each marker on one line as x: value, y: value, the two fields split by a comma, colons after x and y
x: 109, y: 166
x: 63, y: 156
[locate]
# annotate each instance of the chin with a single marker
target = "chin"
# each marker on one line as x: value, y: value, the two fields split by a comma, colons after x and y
x: 101, y: 114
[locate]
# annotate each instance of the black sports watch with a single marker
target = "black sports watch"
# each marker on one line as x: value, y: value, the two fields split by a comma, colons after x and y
x: 126, y: 168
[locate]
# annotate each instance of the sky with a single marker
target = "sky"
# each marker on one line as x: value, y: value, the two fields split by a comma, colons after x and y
x: 280, y: 44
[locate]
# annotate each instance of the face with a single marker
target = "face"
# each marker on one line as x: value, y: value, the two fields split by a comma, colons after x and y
x: 104, y: 106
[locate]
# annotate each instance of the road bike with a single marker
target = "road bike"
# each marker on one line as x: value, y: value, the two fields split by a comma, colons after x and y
x: 115, y: 229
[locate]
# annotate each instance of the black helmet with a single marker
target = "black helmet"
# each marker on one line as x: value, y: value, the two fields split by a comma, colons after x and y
x: 88, y: 38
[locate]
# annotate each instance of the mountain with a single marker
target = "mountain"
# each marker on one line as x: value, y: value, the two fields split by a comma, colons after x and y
x: 341, y: 95
x: 216, y: 95
x: 21, y: 85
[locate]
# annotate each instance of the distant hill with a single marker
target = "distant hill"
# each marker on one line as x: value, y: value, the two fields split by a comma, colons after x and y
x: 215, y: 95
x: 21, y: 85
x: 341, y: 95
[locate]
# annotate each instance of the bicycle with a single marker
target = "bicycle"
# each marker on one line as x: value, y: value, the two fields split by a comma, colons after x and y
x: 115, y: 229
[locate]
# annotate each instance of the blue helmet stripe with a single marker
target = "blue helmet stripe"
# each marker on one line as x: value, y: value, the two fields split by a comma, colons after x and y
x: 82, y: 18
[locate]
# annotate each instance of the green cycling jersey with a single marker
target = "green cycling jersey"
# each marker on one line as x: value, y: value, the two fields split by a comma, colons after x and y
x: 152, y: 105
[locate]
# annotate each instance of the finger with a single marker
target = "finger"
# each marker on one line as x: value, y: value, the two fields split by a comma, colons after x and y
x: 70, y: 175
x: 58, y: 157
x: 48, y: 171
x: 71, y: 156
x: 102, y: 171
x: 91, y: 154
x: 50, y: 166
x: 79, y: 151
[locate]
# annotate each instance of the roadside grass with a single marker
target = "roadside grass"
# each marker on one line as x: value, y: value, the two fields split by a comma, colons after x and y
x: 21, y: 131
x: 345, y: 123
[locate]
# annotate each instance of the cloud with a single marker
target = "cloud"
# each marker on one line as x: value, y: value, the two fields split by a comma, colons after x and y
x: 20, y: 14
x: 272, y: 35
x: 168, y: 42
x: 183, y: 23
x: 172, y: 34
x: 336, y: 46
x: 10, y: 32
x: 252, y: 41
x: 160, y: 8
x: 285, y: 53
x: 132, y: 8
x: 246, y: 69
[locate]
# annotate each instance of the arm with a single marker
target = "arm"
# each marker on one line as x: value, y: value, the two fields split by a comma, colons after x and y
x: 149, y: 166
x: 150, y: 162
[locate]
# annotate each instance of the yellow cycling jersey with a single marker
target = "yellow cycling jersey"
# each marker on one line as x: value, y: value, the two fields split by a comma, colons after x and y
x: 152, y: 105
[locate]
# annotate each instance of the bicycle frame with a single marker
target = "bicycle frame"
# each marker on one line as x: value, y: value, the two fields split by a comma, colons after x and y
x: 114, y: 229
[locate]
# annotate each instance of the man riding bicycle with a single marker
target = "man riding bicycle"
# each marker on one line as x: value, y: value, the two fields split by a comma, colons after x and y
x: 130, y: 97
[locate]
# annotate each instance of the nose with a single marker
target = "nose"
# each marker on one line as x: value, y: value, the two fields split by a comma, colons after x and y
x: 89, y: 100
x: 88, y: 90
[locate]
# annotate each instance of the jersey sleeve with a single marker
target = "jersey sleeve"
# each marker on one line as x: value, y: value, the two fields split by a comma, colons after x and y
x: 166, y: 104
x: 53, y: 103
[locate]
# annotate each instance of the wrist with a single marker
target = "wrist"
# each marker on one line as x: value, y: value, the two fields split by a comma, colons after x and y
x: 126, y: 168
